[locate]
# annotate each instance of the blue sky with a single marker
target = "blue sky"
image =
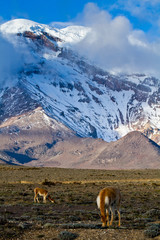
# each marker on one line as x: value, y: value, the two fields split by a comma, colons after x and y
x: 125, y: 33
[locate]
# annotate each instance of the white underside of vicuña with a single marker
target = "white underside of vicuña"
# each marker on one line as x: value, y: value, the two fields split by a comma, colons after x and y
x: 42, y: 194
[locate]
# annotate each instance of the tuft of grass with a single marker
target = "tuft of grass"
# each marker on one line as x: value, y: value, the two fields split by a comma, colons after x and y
x: 155, y: 184
x: 65, y: 235
x: 152, y: 231
x: 41, y: 236
x: 47, y: 183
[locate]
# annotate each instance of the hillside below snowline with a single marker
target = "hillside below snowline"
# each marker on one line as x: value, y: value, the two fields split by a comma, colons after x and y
x: 34, y: 139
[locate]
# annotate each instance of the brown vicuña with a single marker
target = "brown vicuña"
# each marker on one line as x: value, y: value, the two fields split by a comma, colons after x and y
x: 108, y: 200
x: 42, y: 192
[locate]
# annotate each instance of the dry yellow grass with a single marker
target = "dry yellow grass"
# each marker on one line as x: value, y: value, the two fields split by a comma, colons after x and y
x: 75, y: 193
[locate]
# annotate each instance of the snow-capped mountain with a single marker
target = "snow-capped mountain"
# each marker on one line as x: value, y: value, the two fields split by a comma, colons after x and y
x: 72, y: 90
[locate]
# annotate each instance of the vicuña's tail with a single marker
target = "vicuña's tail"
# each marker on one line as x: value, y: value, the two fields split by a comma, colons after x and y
x: 50, y: 199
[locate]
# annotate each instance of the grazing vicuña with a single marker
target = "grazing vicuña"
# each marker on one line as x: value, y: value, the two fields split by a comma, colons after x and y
x: 43, y: 193
x: 109, y: 199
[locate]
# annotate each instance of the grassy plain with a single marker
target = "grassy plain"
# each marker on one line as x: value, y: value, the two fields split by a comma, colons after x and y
x: 75, y: 210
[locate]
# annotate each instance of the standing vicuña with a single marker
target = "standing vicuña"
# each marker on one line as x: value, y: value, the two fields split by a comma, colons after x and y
x: 43, y: 193
x: 108, y: 200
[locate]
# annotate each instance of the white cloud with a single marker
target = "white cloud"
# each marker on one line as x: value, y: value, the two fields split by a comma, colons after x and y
x: 114, y: 45
x: 12, y: 59
x: 143, y: 9
x: 60, y: 24
x: 137, y: 38
x: 9, y: 60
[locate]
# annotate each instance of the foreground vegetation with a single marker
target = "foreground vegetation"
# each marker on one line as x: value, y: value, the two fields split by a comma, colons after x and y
x: 75, y: 214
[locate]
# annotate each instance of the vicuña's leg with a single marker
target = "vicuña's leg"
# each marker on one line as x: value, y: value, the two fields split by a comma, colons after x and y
x: 44, y: 199
x: 107, y: 216
x: 119, y: 217
x: 112, y: 213
x: 103, y: 219
x: 36, y: 198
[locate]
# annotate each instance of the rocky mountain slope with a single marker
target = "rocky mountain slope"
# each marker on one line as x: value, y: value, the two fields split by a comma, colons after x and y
x: 79, y: 98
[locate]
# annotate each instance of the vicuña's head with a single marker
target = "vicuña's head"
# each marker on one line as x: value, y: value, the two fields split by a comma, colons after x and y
x: 51, y: 199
